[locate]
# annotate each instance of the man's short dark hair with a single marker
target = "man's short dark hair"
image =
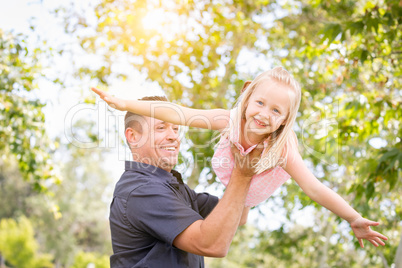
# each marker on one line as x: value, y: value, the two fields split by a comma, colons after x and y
x: 132, y: 120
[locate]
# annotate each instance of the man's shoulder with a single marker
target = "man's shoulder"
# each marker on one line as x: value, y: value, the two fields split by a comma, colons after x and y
x: 128, y: 182
x: 134, y: 181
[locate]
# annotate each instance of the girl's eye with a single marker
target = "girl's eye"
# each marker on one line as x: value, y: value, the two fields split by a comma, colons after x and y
x: 277, y: 111
x: 260, y: 102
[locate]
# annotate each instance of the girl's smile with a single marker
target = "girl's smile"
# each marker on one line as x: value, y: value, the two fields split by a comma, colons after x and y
x: 268, y: 107
x: 260, y: 123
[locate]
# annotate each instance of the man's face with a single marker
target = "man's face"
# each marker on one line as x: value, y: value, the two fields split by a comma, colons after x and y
x: 159, y: 143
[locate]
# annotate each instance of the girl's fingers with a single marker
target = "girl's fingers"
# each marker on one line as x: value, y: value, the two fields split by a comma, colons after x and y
x: 383, y: 237
x: 97, y: 91
x: 106, y: 97
x: 373, y: 223
x: 379, y: 241
x: 361, y: 242
x: 101, y: 93
x: 374, y: 243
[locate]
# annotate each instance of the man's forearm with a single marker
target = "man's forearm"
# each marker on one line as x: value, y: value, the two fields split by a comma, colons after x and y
x: 221, y: 225
x: 212, y: 236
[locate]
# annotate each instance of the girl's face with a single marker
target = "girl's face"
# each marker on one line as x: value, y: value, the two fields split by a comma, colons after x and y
x: 268, y: 107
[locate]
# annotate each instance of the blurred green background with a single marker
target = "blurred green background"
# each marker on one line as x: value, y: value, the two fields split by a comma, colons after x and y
x: 58, y: 169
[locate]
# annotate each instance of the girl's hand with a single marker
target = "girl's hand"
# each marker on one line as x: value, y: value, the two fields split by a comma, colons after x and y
x: 361, y: 228
x: 112, y: 101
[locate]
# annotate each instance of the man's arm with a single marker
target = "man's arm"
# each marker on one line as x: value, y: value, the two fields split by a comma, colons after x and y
x: 212, y: 237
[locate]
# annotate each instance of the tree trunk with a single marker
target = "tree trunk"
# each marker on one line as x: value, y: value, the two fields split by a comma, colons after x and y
x: 384, y: 260
x: 324, y: 252
x: 2, y: 262
x: 398, y: 255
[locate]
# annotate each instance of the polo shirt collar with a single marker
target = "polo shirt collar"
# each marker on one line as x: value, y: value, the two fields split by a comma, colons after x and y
x: 153, y: 171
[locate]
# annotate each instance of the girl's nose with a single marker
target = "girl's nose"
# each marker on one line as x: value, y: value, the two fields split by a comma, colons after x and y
x: 265, y: 115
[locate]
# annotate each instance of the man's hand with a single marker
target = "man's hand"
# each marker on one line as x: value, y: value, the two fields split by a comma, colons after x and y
x: 112, y: 101
x: 361, y: 228
x: 245, y: 165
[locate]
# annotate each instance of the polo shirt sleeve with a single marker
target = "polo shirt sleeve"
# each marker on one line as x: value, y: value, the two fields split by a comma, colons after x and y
x: 206, y: 203
x: 155, y: 209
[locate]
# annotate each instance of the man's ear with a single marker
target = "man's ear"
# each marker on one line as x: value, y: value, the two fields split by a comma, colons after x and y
x: 133, y: 137
x: 246, y: 84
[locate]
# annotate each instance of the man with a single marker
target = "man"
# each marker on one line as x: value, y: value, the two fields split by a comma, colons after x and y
x: 158, y: 221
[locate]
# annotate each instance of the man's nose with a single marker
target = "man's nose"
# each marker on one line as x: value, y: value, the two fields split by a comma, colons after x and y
x: 172, y: 134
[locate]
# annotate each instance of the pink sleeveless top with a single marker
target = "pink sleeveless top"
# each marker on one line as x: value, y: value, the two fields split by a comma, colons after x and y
x: 262, y: 185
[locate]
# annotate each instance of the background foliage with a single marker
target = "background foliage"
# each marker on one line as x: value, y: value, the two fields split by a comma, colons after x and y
x: 347, y: 56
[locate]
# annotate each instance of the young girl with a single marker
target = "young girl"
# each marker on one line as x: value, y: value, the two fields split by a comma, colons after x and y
x: 264, y: 115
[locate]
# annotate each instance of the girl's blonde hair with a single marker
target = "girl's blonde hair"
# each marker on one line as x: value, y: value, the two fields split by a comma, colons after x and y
x: 283, y: 139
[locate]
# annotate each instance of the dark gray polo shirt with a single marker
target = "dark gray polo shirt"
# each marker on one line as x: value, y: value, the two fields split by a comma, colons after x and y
x: 150, y: 208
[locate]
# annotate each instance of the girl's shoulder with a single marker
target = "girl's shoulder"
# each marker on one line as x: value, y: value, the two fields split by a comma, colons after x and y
x: 291, y: 150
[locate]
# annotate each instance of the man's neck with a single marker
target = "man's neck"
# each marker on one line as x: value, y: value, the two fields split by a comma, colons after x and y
x: 146, y: 160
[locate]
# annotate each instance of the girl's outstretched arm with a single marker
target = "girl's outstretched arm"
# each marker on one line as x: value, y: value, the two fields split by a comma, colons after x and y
x: 331, y: 200
x: 215, y: 119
